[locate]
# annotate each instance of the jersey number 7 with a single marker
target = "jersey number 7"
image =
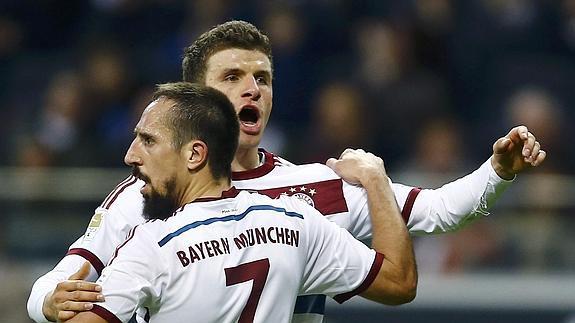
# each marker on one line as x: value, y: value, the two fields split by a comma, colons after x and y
x: 256, y: 271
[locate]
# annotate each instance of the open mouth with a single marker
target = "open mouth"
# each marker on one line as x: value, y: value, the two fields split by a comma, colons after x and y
x: 249, y: 118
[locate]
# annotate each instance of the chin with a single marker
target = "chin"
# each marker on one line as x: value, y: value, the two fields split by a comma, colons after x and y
x: 249, y: 141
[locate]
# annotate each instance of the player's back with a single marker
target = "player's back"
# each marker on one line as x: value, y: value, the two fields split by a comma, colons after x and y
x: 227, y: 260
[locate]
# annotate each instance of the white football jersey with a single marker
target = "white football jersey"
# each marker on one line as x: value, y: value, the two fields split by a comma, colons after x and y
x: 242, y: 258
x: 425, y: 211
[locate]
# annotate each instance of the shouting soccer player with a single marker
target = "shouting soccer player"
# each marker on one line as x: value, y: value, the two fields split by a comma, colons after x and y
x: 220, y: 255
x: 236, y: 58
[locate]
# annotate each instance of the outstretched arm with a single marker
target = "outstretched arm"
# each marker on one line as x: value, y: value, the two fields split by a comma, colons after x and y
x: 396, y: 282
x: 458, y: 203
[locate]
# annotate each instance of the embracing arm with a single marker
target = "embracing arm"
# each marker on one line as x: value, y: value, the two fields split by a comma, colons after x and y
x: 58, y: 294
x: 396, y: 281
x: 64, y: 289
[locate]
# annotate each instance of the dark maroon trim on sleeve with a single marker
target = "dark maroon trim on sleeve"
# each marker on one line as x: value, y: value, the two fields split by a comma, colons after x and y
x: 119, y: 189
x: 377, y: 262
x: 408, y: 206
x: 92, y: 258
x: 105, y: 314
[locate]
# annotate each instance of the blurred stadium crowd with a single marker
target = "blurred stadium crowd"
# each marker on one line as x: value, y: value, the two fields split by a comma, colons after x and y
x: 428, y: 85
x: 423, y: 83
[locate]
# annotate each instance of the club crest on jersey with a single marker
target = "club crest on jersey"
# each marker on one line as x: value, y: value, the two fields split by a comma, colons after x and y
x: 93, y: 227
x: 302, y: 193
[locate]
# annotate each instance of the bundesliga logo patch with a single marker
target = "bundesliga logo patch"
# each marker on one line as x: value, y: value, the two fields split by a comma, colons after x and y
x: 93, y: 227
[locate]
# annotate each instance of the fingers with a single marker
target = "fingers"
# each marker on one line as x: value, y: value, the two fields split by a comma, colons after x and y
x: 70, y: 309
x: 534, y: 152
x: 346, y: 152
x: 528, y: 145
x: 82, y: 273
x: 518, y: 134
x: 539, y: 159
x: 80, y: 285
x: 67, y: 304
x: 331, y: 163
x: 66, y: 315
x: 502, y: 145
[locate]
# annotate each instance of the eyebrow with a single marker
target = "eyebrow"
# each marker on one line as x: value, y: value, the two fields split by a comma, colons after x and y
x: 232, y: 70
x: 142, y: 134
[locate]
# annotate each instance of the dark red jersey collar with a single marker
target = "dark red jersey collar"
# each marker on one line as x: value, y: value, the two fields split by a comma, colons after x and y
x: 259, y: 171
x: 232, y: 192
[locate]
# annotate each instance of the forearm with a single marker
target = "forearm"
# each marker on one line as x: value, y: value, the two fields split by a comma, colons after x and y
x: 35, y: 303
x: 456, y: 204
x: 398, y: 274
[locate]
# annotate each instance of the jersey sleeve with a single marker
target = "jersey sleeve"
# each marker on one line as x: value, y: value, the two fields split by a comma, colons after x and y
x: 429, y: 211
x: 455, y: 204
x: 112, y: 220
x: 338, y: 265
x: 133, y: 277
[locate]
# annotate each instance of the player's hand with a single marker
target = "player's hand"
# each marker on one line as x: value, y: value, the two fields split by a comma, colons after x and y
x: 72, y: 296
x: 517, y: 151
x: 356, y: 166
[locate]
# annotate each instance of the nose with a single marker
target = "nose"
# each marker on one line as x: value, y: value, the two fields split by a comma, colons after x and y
x: 131, y: 158
x: 252, y: 89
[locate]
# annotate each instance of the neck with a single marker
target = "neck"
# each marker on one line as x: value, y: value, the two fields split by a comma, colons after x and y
x: 199, y: 188
x: 246, y: 159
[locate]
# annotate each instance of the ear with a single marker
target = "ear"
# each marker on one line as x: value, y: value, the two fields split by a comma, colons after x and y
x: 196, y: 154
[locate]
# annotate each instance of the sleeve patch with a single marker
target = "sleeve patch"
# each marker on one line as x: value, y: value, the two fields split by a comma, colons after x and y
x: 93, y: 227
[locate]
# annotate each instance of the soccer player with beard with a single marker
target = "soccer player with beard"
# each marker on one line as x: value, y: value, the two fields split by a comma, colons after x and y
x: 221, y: 255
x: 236, y: 59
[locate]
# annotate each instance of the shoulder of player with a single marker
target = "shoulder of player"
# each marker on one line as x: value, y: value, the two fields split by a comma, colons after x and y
x: 125, y: 195
x: 318, y: 170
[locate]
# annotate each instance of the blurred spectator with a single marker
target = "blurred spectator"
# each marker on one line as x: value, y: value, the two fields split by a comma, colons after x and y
x: 10, y: 37
x: 59, y: 123
x: 339, y: 121
x: 542, y: 113
x: 402, y: 95
x: 288, y: 35
x: 540, y: 238
x: 110, y: 88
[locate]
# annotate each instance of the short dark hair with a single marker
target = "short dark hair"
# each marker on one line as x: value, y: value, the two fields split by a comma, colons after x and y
x: 202, y: 113
x: 232, y: 34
